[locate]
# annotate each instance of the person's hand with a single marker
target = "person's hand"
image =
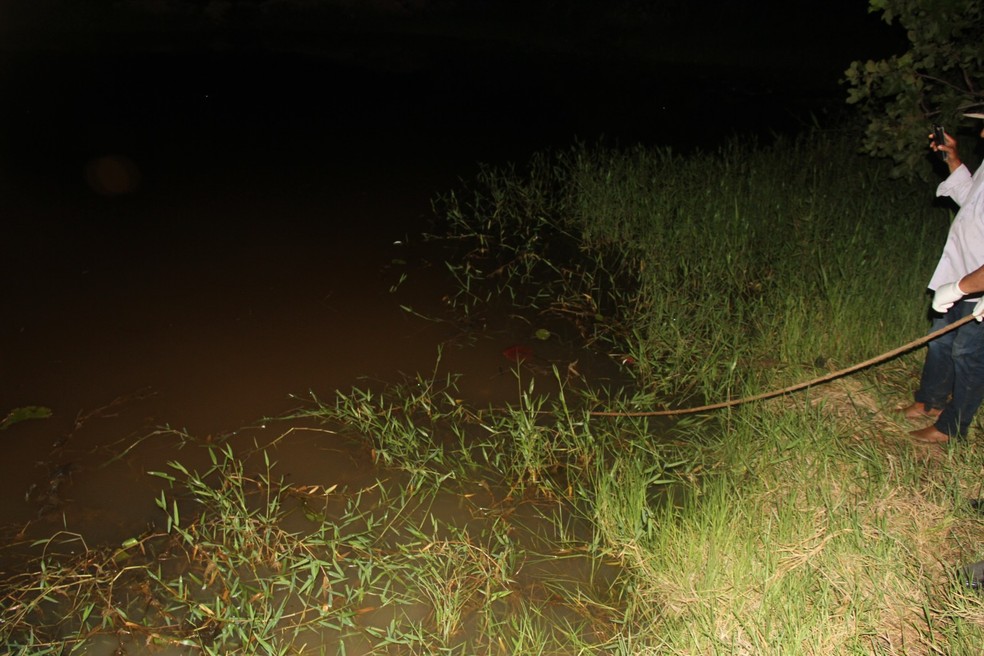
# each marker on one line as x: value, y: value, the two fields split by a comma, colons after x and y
x: 946, y: 295
x: 948, y: 149
x: 979, y: 310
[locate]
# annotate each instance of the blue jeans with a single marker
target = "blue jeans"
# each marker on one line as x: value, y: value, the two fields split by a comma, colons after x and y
x: 953, y: 375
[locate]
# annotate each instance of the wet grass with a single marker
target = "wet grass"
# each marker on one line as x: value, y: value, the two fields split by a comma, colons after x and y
x: 421, y: 561
x: 802, y: 525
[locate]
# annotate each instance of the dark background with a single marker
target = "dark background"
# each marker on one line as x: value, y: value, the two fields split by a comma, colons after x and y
x: 292, y: 85
x: 326, y: 100
x: 264, y: 100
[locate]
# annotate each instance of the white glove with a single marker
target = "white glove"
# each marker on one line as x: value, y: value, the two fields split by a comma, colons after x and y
x: 979, y: 310
x: 945, y: 296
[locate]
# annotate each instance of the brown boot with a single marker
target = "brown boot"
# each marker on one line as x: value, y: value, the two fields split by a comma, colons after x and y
x: 930, y: 435
x: 918, y: 410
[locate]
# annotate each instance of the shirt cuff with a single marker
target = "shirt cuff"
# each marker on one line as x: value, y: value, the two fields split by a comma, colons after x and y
x: 960, y: 176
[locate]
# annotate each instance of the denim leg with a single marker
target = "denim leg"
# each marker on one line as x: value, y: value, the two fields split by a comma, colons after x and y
x: 936, y: 382
x: 959, y: 363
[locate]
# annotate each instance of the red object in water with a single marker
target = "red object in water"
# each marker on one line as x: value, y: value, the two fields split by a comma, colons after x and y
x: 517, y: 353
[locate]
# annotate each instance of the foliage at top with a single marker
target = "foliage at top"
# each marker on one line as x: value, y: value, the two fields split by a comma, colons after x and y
x: 935, y: 81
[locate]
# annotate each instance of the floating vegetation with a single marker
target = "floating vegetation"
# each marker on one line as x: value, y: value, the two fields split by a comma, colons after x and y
x: 25, y: 413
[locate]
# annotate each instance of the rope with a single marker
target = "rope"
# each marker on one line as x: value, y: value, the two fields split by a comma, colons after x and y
x: 792, y: 388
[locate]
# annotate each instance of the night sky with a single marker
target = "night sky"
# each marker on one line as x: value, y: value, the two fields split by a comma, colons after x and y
x: 483, y: 79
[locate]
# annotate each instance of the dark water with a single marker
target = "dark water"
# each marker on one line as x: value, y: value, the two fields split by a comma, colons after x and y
x: 195, y: 240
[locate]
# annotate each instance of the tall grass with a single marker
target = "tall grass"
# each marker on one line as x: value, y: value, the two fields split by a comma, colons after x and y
x: 812, y: 528
x: 796, y: 254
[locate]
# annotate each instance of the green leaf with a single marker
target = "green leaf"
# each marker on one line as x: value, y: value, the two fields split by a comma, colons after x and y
x: 23, y: 414
x: 929, y: 82
x: 542, y: 334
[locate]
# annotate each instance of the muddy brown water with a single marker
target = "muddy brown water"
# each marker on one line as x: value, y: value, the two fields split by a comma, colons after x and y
x: 211, y: 330
x: 196, y: 256
x: 121, y: 344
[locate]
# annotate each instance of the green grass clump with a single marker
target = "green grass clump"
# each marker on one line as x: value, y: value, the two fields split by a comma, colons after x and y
x: 711, y: 270
x: 732, y: 273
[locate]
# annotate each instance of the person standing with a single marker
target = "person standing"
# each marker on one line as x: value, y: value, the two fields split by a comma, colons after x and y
x: 951, y: 387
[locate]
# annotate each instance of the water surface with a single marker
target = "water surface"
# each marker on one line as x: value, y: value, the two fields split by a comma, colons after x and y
x: 197, y: 240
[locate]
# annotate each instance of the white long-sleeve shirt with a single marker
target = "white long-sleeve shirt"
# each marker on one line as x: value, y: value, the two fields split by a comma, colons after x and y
x: 964, y: 248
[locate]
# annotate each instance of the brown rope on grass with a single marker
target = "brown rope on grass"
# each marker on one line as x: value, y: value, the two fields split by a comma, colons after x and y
x: 792, y: 388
